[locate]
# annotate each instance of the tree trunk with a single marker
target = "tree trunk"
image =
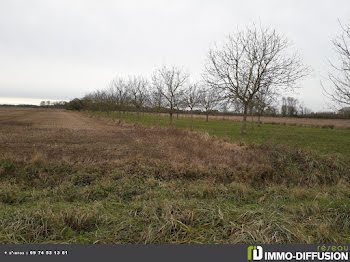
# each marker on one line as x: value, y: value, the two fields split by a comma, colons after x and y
x: 259, y: 122
x: 252, y: 117
x: 244, y: 122
x: 207, y: 118
x: 191, y: 120
x: 171, y: 118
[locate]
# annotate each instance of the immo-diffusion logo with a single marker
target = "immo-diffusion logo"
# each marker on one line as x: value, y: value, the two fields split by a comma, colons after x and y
x: 255, y: 252
x: 332, y: 253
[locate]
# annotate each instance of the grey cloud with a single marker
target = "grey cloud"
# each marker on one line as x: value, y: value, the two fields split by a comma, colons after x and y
x: 63, y: 49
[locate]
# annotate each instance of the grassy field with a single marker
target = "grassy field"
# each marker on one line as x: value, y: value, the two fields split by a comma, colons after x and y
x: 278, y: 120
x: 68, y: 177
x: 324, y: 141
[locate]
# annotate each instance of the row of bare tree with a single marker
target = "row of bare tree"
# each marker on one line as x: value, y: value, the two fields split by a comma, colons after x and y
x: 169, y: 90
x: 249, y: 71
x: 293, y: 107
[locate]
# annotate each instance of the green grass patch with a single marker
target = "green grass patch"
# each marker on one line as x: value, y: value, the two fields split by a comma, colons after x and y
x: 320, y: 140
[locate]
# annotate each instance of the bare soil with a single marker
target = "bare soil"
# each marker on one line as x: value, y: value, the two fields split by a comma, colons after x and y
x: 78, y: 138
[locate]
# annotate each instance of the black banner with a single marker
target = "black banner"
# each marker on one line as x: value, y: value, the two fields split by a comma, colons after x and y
x: 181, y: 253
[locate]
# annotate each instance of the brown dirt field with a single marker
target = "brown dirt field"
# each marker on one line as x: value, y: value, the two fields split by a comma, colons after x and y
x: 81, y: 139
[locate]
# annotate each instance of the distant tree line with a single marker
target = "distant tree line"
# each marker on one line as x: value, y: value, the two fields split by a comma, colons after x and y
x: 20, y: 105
x: 245, y: 75
x: 56, y: 104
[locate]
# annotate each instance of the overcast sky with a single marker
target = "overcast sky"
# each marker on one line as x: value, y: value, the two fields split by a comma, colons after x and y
x: 61, y: 49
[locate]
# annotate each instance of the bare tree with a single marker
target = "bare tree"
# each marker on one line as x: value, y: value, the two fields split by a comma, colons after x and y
x: 237, y: 106
x: 118, y: 87
x: 192, y: 98
x: 289, y: 106
x: 180, y: 103
x: 208, y: 99
x: 157, y: 101
x: 249, y: 60
x: 339, y: 77
x: 263, y: 100
x: 138, y: 91
x: 97, y: 100
x: 169, y: 82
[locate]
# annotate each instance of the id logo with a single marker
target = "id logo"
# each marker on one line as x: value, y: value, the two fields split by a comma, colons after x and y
x: 255, y: 253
